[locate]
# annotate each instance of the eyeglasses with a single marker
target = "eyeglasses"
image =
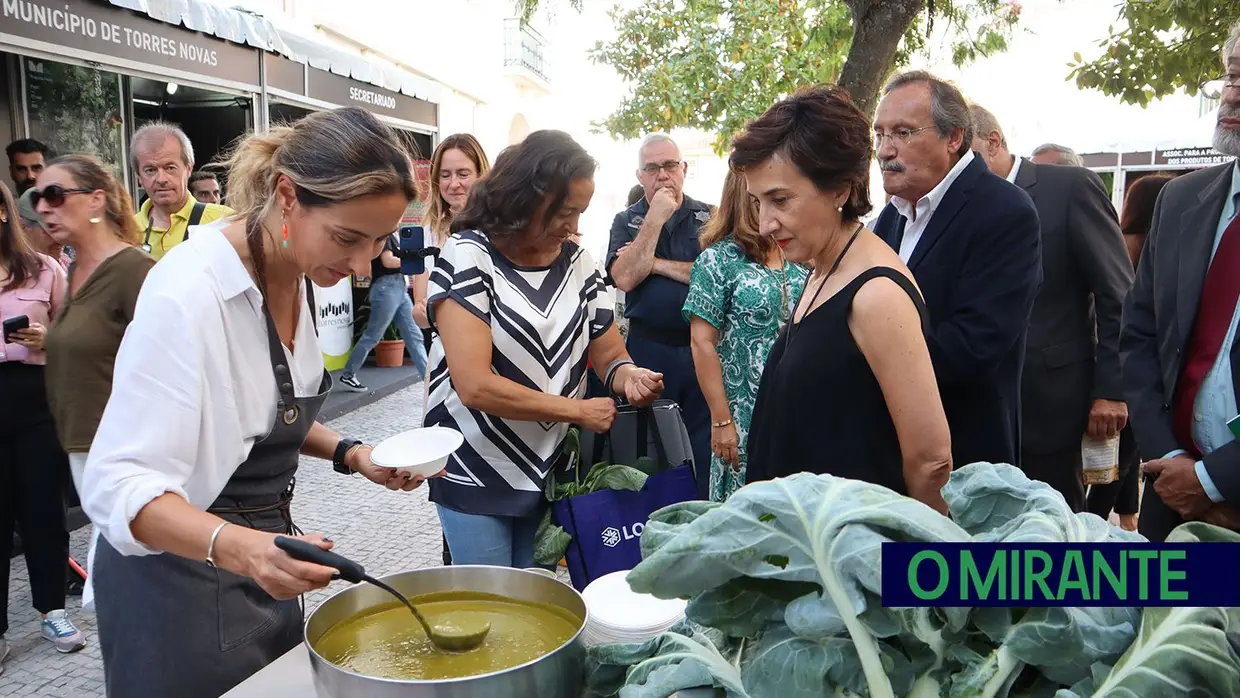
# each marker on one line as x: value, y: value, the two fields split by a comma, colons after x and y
x: 1213, y: 89
x: 54, y: 195
x: 903, y: 135
x: 670, y: 167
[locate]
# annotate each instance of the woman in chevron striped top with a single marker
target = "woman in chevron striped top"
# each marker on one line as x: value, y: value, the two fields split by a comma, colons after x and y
x: 518, y: 310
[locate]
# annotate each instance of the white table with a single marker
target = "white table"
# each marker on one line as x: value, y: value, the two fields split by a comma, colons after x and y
x: 289, y: 677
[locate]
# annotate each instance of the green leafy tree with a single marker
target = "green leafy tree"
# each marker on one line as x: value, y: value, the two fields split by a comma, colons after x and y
x: 1159, y: 47
x: 715, y: 65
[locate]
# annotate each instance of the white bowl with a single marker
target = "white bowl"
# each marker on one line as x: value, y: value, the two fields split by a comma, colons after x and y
x: 421, y: 451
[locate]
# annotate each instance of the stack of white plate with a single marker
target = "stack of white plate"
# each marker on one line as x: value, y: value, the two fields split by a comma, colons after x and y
x: 619, y: 614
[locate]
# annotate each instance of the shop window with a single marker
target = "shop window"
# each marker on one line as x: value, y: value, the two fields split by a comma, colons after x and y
x: 76, y: 110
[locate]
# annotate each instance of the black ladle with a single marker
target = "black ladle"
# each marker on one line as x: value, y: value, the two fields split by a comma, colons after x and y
x: 450, y: 638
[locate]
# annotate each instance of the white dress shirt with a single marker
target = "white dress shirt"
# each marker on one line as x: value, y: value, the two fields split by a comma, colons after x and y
x: 193, y: 387
x: 1015, y: 168
x: 919, y: 215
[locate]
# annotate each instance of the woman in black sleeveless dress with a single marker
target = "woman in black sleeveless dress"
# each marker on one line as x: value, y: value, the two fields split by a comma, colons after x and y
x: 848, y: 388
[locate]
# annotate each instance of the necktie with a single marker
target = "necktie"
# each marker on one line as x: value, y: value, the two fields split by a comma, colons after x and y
x: 1219, y: 294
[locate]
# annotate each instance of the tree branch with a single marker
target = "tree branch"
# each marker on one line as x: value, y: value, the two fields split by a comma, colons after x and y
x: 877, y: 29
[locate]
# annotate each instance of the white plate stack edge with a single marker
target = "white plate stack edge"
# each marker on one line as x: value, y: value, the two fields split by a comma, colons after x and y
x: 620, y: 615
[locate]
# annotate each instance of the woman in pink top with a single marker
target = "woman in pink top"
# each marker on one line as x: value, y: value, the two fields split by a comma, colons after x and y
x: 34, y: 470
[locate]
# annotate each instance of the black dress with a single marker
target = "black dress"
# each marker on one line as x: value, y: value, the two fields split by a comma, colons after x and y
x: 819, y: 407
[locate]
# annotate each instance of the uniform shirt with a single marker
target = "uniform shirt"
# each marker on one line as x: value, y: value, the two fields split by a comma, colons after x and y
x: 657, y: 300
x: 161, y: 239
x: 194, y: 388
x: 38, y: 299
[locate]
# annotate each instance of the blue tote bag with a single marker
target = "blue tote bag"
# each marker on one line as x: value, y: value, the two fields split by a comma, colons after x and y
x: 605, y: 526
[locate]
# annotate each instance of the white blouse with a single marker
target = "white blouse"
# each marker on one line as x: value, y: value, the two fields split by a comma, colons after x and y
x: 193, y: 388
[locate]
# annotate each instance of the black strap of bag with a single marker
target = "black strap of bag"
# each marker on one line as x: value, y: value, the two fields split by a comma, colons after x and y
x: 195, y: 217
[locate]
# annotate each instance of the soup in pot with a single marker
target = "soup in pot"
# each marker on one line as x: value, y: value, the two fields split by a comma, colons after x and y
x: 388, y: 642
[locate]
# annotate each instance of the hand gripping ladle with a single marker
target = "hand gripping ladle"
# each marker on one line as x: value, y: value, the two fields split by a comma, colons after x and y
x: 445, y: 637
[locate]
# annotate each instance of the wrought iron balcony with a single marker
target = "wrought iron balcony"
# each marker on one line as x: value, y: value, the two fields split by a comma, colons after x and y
x: 523, y: 51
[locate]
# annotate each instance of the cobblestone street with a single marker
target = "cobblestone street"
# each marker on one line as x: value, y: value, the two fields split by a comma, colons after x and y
x: 385, y: 531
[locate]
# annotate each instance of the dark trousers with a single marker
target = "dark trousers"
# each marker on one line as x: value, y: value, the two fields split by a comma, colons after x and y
x: 681, y: 386
x: 1120, y: 496
x: 34, y: 472
x: 1061, y: 470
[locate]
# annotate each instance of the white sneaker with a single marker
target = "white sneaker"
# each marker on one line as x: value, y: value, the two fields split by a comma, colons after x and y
x: 62, y: 633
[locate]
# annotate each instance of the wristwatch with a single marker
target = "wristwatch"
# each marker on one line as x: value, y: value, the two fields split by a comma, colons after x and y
x: 342, y: 450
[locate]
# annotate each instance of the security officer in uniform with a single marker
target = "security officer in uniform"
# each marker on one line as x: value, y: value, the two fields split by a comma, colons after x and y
x: 653, y: 245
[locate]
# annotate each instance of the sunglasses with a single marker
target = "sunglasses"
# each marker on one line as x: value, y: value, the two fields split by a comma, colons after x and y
x: 54, y: 195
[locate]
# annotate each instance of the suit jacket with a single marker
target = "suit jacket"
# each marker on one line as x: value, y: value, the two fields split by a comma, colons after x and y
x: 979, y: 264
x: 1073, y: 353
x: 1158, y: 317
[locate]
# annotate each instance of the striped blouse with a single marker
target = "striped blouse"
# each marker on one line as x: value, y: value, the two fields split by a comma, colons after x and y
x: 542, y: 320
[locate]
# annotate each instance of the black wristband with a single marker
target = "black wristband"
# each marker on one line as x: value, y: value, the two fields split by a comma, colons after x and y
x: 342, y: 450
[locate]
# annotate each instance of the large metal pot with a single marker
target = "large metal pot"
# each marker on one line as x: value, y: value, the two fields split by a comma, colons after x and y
x: 555, y: 675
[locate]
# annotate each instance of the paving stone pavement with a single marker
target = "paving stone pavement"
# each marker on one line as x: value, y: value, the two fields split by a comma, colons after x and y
x: 385, y: 531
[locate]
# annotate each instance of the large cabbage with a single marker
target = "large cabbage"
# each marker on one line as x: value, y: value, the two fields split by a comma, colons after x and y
x: 789, y: 572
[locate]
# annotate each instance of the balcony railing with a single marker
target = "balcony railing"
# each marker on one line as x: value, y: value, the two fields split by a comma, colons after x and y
x: 523, y: 47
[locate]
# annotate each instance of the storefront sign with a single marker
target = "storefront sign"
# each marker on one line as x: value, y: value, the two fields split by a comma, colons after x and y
x: 1191, y: 157
x: 335, y: 308
x: 119, y: 33
x: 346, y: 92
x: 284, y: 74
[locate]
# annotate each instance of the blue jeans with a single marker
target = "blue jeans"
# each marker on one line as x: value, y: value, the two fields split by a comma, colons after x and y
x: 389, y: 300
x: 501, y: 541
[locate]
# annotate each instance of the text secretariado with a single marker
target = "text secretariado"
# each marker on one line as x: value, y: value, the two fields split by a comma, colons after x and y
x: 73, y: 23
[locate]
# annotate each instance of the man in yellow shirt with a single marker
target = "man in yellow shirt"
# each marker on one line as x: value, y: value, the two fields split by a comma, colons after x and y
x: 163, y: 158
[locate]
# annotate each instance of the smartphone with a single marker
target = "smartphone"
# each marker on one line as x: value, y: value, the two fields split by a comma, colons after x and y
x: 15, y: 324
x: 412, y: 237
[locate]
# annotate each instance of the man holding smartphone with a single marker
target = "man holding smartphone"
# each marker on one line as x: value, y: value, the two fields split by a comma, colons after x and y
x: 389, y: 301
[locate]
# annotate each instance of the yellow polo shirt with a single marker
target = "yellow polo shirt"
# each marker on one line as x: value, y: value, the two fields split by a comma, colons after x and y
x: 160, y: 240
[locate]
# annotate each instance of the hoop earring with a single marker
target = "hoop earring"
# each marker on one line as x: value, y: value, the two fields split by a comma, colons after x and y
x: 96, y: 220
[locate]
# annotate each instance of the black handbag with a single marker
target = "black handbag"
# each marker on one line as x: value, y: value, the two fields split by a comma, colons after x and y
x: 653, y: 439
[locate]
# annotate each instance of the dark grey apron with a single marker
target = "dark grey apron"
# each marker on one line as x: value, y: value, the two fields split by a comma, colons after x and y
x: 173, y: 627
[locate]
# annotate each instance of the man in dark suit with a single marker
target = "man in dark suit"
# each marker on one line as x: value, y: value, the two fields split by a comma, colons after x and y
x: 971, y: 240
x: 1179, y: 350
x: 1072, y: 384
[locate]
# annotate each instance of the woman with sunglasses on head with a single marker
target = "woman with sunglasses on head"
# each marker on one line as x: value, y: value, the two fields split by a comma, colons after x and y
x: 193, y: 595
x: 33, y: 468
x: 82, y: 205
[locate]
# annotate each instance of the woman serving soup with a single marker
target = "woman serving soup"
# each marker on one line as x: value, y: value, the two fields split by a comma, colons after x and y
x: 193, y: 595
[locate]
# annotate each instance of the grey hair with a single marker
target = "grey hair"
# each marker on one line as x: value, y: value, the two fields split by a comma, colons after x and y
x: 948, y: 109
x: 650, y: 140
x: 1065, y: 155
x: 984, y: 122
x: 161, y: 130
x: 1229, y: 46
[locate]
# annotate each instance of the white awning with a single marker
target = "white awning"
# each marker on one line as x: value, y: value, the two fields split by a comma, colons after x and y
x: 242, y: 26
x: 237, y: 26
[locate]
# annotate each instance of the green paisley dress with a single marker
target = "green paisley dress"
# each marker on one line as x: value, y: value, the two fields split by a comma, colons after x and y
x: 741, y: 298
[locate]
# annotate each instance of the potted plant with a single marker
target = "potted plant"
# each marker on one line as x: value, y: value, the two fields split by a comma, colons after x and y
x: 390, y: 351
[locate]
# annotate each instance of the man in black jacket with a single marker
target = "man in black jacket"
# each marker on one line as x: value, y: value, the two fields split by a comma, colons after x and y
x: 971, y: 240
x: 1072, y: 384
